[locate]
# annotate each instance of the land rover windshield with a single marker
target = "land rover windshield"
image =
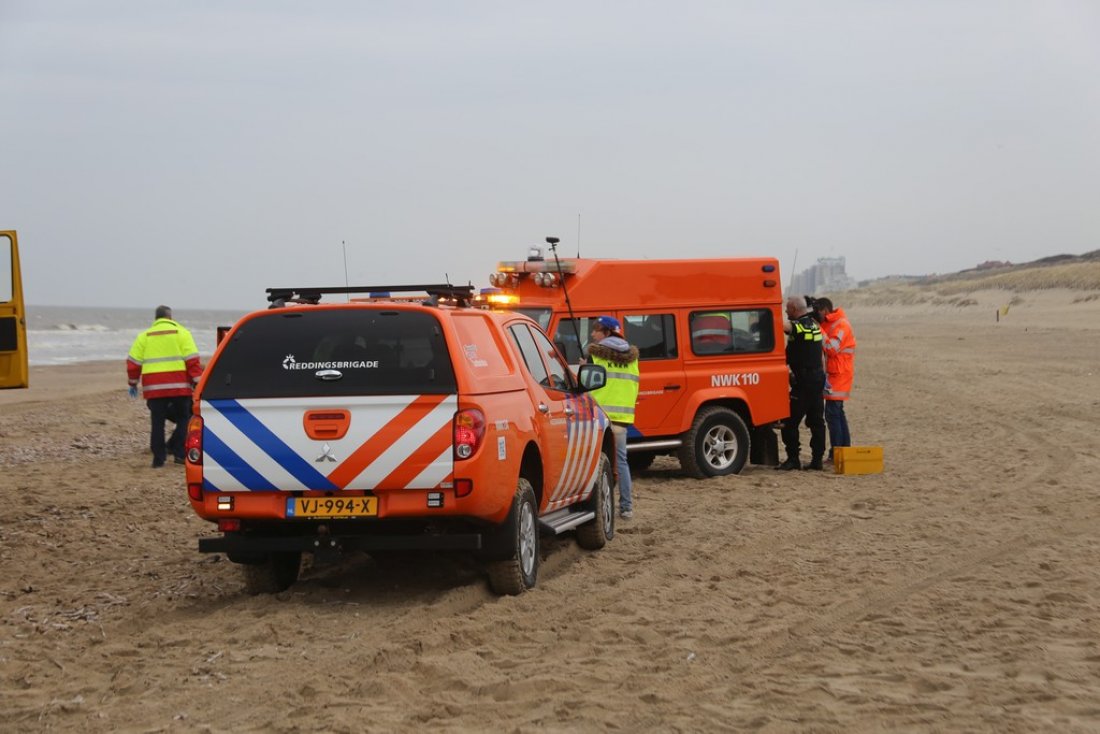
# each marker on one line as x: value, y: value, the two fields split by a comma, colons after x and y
x: 540, y: 316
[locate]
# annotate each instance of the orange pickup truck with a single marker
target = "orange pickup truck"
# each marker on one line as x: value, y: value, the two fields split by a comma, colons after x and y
x: 388, y: 424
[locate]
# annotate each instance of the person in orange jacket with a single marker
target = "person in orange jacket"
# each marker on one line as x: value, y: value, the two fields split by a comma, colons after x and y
x: 840, y: 357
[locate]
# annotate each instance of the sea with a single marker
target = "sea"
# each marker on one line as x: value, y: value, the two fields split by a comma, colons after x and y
x: 70, y: 334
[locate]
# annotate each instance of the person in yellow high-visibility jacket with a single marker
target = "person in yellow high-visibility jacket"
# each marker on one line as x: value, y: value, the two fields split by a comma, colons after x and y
x: 166, y: 361
x: 618, y: 397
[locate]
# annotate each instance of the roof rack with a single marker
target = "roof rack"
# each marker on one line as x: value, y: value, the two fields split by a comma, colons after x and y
x: 461, y: 294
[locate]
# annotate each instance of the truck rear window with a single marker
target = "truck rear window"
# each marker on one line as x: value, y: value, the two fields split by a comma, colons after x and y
x: 296, y: 353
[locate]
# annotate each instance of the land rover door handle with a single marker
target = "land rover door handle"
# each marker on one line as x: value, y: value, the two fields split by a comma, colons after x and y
x: 544, y: 408
x: 672, y: 387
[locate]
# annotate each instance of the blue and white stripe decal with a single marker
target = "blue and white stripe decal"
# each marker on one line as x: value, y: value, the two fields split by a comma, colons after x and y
x: 259, y: 435
x: 214, y: 448
x: 260, y: 444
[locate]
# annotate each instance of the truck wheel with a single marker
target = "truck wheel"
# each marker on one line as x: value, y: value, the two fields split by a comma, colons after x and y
x: 519, y: 573
x: 716, y: 444
x: 639, y: 461
x: 595, y: 533
x: 275, y: 573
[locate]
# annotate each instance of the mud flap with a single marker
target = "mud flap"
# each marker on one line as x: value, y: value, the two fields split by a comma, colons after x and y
x: 764, y: 446
x: 497, y: 544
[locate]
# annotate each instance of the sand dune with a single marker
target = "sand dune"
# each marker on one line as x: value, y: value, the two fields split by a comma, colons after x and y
x: 957, y: 591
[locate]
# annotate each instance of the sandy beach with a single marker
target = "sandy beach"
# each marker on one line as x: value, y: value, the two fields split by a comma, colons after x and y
x: 957, y: 591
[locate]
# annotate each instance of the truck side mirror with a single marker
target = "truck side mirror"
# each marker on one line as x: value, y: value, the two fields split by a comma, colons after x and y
x: 222, y: 331
x: 592, y: 376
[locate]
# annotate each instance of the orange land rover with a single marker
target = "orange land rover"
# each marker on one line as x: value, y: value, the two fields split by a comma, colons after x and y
x: 709, y: 332
x: 391, y: 424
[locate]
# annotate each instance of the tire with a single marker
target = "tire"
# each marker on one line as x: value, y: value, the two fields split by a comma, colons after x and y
x: 717, y: 444
x: 520, y: 572
x: 595, y: 533
x: 277, y: 572
x: 639, y: 461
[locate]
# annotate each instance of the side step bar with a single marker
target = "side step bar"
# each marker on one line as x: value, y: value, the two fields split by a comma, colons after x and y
x: 560, y: 521
x: 671, y: 443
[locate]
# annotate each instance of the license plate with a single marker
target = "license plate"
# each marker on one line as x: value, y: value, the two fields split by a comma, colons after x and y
x: 332, y: 507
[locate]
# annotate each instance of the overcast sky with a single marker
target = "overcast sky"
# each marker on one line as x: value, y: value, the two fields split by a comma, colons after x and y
x: 195, y: 153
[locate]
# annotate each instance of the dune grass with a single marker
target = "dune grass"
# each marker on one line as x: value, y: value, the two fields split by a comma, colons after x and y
x: 1084, y: 276
x: 956, y: 289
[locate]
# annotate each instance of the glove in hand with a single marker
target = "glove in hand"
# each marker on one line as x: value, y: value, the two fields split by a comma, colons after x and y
x: 133, y: 391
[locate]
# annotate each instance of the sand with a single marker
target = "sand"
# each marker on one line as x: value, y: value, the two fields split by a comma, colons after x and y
x: 956, y: 591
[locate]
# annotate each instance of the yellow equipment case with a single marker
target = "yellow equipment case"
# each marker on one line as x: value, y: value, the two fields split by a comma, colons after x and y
x: 857, y: 459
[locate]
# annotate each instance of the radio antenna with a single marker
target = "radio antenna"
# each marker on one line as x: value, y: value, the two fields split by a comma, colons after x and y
x: 578, y: 234
x: 345, y: 246
x: 553, y: 242
x: 790, y: 280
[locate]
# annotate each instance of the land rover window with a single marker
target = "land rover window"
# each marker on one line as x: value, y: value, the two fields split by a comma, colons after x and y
x: 530, y: 352
x: 653, y: 334
x: 560, y: 377
x: 333, y: 352
x: 565, y: 337
x: 731, y: 332
x: 540, y: 316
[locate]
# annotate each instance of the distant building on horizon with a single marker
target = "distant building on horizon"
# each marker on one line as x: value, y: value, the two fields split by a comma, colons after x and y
x: 826, y: 276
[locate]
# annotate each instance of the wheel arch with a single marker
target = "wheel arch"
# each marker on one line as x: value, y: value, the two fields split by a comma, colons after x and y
x: 607, y: 444
x: 530, y: 468
x: 737, y: 404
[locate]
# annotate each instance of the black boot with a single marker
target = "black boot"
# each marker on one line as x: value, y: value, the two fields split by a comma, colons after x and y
x: 815, y: 464
x: 788, y: 465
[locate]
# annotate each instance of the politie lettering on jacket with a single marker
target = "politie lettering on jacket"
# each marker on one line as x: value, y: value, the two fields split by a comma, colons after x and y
x: 735, y: 379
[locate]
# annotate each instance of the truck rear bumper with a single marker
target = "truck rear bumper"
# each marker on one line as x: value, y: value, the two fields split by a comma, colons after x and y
x: 245, y: 545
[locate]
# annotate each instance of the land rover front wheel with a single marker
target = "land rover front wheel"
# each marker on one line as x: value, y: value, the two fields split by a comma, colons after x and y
x: 716, y: 444
x: 519, y: 572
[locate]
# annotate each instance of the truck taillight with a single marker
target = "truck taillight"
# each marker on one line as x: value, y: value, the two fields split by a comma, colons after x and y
x: 193, y: 445
x: 469, y: 430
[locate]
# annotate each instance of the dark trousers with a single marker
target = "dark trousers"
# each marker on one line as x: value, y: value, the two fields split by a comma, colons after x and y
x: 838, y: 424
x: 806, y: 402
x: 176, y: 409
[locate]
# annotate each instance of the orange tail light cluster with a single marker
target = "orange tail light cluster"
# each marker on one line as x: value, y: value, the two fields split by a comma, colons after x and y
x: 469, y: 431
x: 193, y: 444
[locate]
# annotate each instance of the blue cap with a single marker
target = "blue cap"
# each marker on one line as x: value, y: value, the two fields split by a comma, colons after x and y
x: 610, y: 323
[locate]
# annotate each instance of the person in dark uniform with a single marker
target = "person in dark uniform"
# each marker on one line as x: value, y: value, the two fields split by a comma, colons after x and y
x: 807, y: 371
